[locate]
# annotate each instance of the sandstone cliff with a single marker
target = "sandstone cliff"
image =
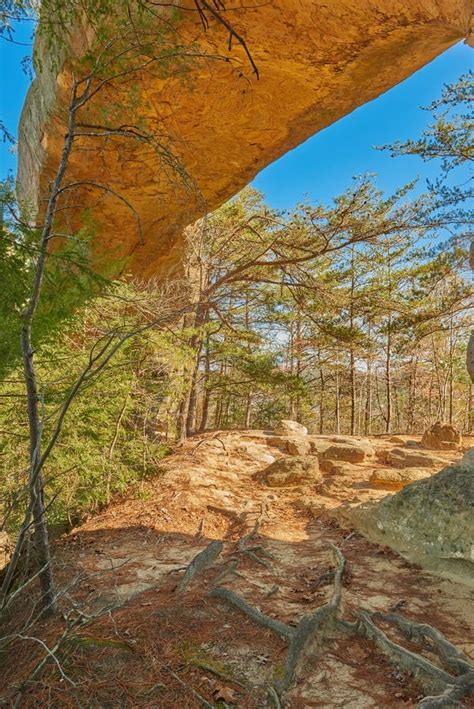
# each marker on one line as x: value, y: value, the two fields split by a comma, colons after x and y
x: 317, y: 62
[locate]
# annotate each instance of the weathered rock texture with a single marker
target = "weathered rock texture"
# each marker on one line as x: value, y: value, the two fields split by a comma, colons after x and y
x: 298, y: 470
x: 287, y: 427
x: 410, y: 458
x: 430, y: 521
x: 355, y: 453
x: 318, y: 61
x: 442, y: 437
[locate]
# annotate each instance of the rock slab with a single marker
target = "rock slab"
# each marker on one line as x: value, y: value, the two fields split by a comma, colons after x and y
x: 297, y: 470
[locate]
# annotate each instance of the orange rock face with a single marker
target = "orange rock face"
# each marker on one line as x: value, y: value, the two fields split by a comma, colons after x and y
x: 317, y: 61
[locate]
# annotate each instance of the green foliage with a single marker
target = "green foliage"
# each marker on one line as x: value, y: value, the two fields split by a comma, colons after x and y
x: 448, y: 139
x: 109, y: 438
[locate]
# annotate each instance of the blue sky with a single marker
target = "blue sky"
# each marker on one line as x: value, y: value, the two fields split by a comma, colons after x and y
x: 323, y: 166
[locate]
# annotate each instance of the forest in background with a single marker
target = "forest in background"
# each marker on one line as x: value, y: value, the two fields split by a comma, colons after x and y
x: 352, y: 318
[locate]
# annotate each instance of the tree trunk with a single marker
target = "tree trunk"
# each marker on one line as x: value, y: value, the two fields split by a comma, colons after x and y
x: 411, y: 395
x: 206, y: 392
x: 450, y: 370
x: 368, y: 394
x: 248, y: 411
x: 192, y: 404
x: 352, y: 373
x: 322, y: 394
x: 388, y: 377
x: 36, y: 482
x: 337, y: 412
x: 36, y: 508
x: 352, y: 378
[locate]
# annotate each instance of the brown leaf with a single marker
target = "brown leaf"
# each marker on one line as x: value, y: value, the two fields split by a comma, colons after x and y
x: 225, y: 694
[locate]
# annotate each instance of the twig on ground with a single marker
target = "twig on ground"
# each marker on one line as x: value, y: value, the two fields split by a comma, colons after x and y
x: 196, y: 694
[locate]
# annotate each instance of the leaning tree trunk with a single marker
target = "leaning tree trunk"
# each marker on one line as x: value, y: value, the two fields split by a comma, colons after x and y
x: 36, y: 508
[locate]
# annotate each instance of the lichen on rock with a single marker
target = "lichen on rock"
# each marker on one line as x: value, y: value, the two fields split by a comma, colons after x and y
x: 430, y: 521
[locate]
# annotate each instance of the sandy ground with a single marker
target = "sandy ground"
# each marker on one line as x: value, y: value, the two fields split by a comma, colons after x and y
x: 164, y: 649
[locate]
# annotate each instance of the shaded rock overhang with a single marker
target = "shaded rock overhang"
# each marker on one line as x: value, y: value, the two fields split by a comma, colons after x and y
x: 317, y: 62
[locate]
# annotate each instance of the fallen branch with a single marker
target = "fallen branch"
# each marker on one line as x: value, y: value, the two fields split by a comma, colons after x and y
x: 200, y: 562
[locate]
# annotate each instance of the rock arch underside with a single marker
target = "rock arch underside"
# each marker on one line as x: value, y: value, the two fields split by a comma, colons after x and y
x: 317, y: 62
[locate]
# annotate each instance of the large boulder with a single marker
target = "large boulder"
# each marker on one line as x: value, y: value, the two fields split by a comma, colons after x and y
x: 301, y: 470
x: 354, y: 452
x: 442, y: 437
x: 287, y: 427
x: 430, y: 521
x: 410, y: 458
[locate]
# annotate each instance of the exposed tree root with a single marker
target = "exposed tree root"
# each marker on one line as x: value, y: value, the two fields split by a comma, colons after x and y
x: 464, y: 687
x: 451, y: 656
x: 431, y: 677
x: 201, y: 561
x: 274, y: 698
x: 315, y: 624
x: 231, y: 569
x: 251, y: 551
x: 281, y: 629
x: 326, y: 622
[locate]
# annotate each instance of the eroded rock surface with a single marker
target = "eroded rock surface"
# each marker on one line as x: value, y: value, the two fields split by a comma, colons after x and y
x: 299, y: 446
x: 317, y: 61
x: 430, y: 521
x: 399, y: 475
x: 410, y: 458
x: 355, y: 452
x: 294, y: 470
x: 443, y: 437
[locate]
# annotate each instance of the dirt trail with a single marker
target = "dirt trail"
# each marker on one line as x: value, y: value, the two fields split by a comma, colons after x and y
x: 181, y: 649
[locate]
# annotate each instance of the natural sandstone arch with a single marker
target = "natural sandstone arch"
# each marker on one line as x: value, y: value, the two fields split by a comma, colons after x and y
x: 318, y: 61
